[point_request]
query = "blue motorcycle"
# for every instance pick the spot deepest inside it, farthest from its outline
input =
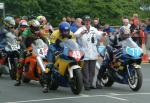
(124, 68)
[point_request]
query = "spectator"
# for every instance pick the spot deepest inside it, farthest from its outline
(63, 19)
(126, 23)
(135, 19)
(96, 24)
(108, 29)
(87, 39)
(76, 25)
(68, 19)
(147, 30)
(134, 28)
(25, 18)
(142, 34)
(72, 20)
(17, 20)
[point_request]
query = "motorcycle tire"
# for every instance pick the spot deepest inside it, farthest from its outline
(12, 72)
(136, 84)
(107, 81)
(76, 83)
(53, 83)
(25, 80)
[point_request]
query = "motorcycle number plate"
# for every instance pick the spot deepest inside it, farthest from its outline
(42, 51)
(15, 47)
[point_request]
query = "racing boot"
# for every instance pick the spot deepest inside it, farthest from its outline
(45, 82)
(45, 87)
(18, 79)
(19, 74)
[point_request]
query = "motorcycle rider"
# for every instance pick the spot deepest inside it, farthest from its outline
(62, 34)
(7, 33)
(7, 30)
(115, 41)
(29, 36)
(23, 25)
(46, 27)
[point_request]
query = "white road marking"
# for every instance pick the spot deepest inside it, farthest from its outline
(130, 94)
(50, 99)
(122, 99)
(110, 95)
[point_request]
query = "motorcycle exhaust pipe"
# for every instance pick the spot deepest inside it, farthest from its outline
(41, 64)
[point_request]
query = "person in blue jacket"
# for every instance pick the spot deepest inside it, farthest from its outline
(108, 29)
(76, 25)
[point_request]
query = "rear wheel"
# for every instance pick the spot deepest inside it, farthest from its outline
(26, 68)
(135, 81)
(25, 80)
(76, 83)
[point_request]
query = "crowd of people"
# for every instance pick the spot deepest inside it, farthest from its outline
(87, 32)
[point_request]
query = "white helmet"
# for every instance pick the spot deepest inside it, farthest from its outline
(35, 23)
(9, 21)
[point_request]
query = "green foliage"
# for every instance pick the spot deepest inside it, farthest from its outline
(109, 11)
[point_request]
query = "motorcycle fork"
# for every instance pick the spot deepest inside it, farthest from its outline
(41, 64)
(129, 72)
(9, 64)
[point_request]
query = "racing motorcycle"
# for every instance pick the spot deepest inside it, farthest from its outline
(67, 68)
(125, 67)
(9, 55)
(35, 62)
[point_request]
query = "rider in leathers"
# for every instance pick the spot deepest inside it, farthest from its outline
(115, 41)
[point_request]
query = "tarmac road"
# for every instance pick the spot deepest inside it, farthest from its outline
(32, 93)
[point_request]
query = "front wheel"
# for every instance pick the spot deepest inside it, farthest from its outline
(76, 83)
(12, 71)
(135, 81)
(53, 83)
(107, 81)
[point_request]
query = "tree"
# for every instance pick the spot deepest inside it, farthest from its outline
(109, 11)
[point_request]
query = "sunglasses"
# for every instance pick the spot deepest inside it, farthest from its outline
(23, 26)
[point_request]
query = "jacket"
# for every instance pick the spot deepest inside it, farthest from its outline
(56, 35)
(88, 42)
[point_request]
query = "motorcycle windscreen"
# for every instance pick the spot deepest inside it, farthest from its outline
(131, 48)
(134, 52)
(11, 42)
(68, 45)
(40, 48)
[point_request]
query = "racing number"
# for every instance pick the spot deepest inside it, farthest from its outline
(76, 54)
